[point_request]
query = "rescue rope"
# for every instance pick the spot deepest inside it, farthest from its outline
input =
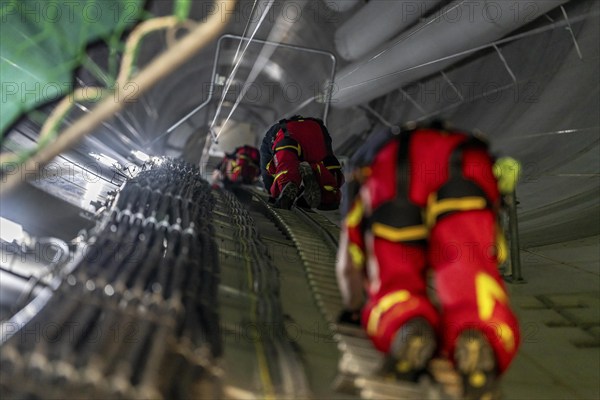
(278, 32)
(237, 60)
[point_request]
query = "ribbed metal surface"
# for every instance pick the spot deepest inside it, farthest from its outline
(272, 362)
(360, 364)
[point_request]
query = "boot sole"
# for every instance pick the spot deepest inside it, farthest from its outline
(411, 350)
(287, 197)
(312, 190)
(476, 362)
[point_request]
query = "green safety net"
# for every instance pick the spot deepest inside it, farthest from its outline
(42, 42)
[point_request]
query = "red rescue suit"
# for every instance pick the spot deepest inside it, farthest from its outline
(295, 140)
(428, 198)
(239, 167)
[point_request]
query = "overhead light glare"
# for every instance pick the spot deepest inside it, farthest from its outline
(11, 231)
(140, 155)
(104, 159)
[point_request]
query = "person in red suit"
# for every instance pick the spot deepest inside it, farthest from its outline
(239, 167)
(298, 165)
(427, 198)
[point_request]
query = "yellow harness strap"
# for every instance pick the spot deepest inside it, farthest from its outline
(436, 208)
(297, 149)
(405, 234)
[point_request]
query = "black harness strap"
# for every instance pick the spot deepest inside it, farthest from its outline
(458, 187)
(283, 126)
(400, 212)
(457, 184)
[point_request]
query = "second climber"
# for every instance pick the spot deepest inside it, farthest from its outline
(298, 165)
(238, 167)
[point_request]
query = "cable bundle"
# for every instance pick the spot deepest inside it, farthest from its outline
(136, 318)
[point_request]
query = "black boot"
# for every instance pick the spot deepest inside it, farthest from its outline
(312, 190)
(287, 196)
(476, 363)
(412, 347)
